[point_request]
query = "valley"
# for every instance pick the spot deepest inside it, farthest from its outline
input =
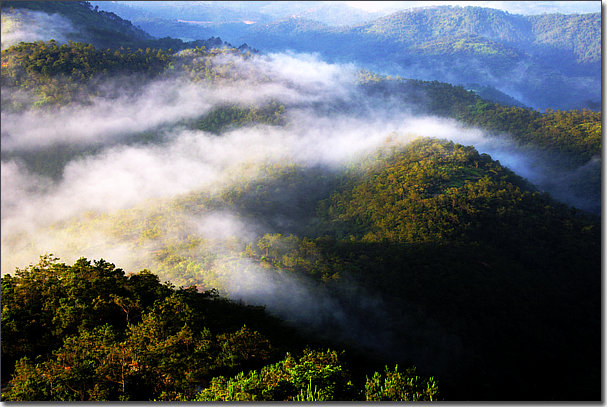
(190, 220)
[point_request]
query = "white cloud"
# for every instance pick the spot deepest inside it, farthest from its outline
(124, 176)
(29, 26)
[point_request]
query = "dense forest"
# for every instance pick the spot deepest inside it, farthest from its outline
(100, 28)
(89, 332)
(228, 225)
(575, 133)
(531, 58)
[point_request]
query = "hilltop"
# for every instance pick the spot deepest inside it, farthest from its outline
(272, 226)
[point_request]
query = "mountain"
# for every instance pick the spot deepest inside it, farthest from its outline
(543, 61)
(329, 13)
(575, 34)
(195, 20)
(427, 24)
(101, 28)
(204, 11)
(79, 21)
(260, 12)
(494, 95)
(288, 228)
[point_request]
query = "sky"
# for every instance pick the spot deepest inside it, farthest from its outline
(515, 7)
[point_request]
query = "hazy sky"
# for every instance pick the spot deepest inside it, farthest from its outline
(516, 7)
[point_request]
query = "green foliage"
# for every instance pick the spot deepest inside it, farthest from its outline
(243, 349)
(89, 366)
(289, 379)
(400, 386)
(29, 382)
(216, 65)
(169, 359)
(224, 118)
(101, 28)
(96, 334)
(309, 394)
(421, 25)
(58, 73)
(429, 191)
(160, 347)
(446, 235)
(431, 225)
(48, 301)
(322, 369)
(62, 74)
(576, 33)
(575, 134)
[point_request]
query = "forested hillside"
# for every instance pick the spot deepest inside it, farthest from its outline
(82, 23)
(566, 144)
(215, 224)
(575, 34)
(97, 334)
(101, 28)
(229, 17)
(530, 58)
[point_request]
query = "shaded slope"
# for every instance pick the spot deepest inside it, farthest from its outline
(547, 61)
(100, 28)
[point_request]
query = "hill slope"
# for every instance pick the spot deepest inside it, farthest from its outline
(79, 21)
(547, 62)
(363, 211)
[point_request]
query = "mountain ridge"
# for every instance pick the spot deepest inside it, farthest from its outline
(101, 28)
(544, 61)
(379, 221)
(525, 57)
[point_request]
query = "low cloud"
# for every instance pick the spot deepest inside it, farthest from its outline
(80, 213)
(30, 26)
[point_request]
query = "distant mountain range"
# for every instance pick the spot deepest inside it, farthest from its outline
(541, 61)
(82, 22)
(544, 61)
(258, 12)
(385, 224)
(548, 61)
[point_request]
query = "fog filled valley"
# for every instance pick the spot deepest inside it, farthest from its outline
(216, 223)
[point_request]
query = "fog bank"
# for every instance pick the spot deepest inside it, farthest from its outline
(31, 26)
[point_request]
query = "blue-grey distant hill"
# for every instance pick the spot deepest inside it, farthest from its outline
(101, 28)
(545, 61)
(542, 61)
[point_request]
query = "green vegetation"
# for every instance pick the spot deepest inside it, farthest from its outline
(424, 254)
(430, 23)
(59, 74)
(431, 226)
(98, 27)
(576, 134)
(89, 332)
(394, 382)
(434, 228)
(101, 28)
(549, 61)
(562, 140)
(577, 34)
(227, 117)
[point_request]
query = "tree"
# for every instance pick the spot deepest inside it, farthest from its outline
(400, 386)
